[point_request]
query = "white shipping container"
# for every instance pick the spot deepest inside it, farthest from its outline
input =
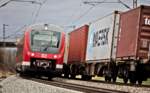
(102, 38)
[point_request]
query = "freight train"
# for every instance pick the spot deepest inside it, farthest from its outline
(117, 45)
(41, 50)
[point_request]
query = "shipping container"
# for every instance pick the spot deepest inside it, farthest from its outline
(66, 48)
(102, 39)
(77, 45)
(134, 34)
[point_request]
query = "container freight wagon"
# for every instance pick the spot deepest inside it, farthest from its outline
(133, 49)
(115, 45)
(91, 50)
(101, 47)
(76, 51)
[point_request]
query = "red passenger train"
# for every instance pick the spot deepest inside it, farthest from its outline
(41, 50)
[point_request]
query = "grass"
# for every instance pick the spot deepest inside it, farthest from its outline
(147, 82)
(103, 79)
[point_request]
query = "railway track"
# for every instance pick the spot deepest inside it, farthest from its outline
(113, 86)
(77, 87)
(118, 83)
(114, 83)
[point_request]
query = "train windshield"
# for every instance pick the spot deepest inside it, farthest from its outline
(45, 41)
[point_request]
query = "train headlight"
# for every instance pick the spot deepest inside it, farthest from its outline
(32, 54)
(55, 56)
(46, 26)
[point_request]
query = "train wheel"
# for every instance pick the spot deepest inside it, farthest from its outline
(49, 77)
(66, 75)
(73, 71)
(107, 79)
(89, 77)
(114, 79)
(66, 71)
(132, 78)
(73, 76)
(38, 76)
(83, 77)
(125, 80)
(139, 82)
(132, 81)
(21, 74)
(86, 77)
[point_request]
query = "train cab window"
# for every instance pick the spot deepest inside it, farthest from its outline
(45, 40)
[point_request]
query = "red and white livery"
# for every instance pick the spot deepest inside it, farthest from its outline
(41, 49)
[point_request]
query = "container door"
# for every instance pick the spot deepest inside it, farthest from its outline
(144, 37)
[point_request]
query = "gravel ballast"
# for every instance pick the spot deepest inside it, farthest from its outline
(16, 84)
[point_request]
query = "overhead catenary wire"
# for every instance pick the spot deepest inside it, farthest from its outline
(29, 1)
(94, 3)
(24, 1)
(82, 15)
(38, 11)
(73, 15)
(104, 1)
(32, 20)
(36, 15)
(5, 4)
(86, 12)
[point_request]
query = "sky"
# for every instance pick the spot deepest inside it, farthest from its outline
(65, 13)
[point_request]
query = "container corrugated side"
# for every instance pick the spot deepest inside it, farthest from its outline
(77, 45)
(102, 38)
(128, 33)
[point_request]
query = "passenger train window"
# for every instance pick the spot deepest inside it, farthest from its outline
(45, 40)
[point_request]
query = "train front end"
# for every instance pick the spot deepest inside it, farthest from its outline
(43, 50)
